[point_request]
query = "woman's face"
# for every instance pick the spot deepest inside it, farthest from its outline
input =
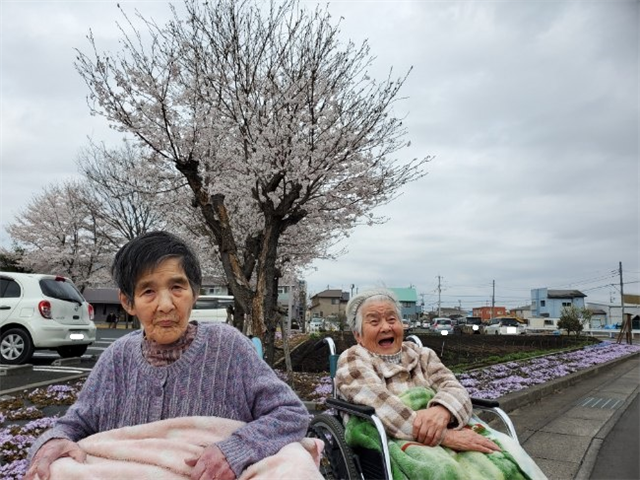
(162, 301)
(382, 330)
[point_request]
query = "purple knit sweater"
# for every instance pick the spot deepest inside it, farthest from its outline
(220, 374)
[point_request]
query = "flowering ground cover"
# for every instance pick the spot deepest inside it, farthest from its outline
(23, 417)
(498, 380)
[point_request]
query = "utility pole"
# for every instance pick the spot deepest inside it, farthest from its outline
(439, 290)
(493, 298)
(625, 328)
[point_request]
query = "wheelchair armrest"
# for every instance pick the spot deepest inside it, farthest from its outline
(481, 402)
(348, 407)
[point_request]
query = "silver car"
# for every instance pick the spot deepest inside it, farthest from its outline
(442, 324)
(42, 312)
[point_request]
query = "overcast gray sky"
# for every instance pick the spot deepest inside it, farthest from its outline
(530, 109)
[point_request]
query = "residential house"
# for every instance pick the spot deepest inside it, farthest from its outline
(549, 303)
(329, 303)
(408, 298)
(487, 313)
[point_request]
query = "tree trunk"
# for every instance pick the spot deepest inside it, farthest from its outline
(266, 294)
(285, 348)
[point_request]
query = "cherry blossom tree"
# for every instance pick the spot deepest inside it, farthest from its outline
(126, 193)
(275, 124)
(59, 235)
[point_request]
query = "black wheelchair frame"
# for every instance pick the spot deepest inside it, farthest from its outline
(340, 461)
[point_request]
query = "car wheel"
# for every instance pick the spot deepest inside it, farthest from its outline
(16, 347)
(69, 351)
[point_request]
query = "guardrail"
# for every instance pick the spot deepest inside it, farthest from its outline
(597, 332)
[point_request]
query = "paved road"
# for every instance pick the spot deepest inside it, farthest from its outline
(44, 371)
(619, 451)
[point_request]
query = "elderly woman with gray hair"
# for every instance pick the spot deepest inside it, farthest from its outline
(381, 367)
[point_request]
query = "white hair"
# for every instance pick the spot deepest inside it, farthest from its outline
(354, 307)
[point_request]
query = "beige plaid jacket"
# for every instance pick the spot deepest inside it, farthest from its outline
(368, 380)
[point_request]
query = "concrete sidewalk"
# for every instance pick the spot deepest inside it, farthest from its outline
(562, 424)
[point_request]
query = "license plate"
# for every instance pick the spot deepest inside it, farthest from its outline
(76, 336)
(511, 329)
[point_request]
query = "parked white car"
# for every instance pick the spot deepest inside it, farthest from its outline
(316, 324)
(211, 308)
(504, 326)
(42, 312)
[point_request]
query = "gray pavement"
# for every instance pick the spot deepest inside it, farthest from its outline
(619, 450)
(564, 429)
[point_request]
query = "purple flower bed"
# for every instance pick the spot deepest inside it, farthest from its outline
(498, 380)
(15, 442)
(16, 438)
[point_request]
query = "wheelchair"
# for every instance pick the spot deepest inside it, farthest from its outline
(340, 461)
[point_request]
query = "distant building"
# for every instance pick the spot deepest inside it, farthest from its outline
(104, 302)
(214, 286)
(612, 313)
(452, 311)
(521, 312)
(408, 298)
(549, 303)
(292, 295)
(329, 303)
(487, 313)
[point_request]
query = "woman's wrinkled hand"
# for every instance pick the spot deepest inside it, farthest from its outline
(49, 453)
(212, 465)
(467, 440)
(430, 424)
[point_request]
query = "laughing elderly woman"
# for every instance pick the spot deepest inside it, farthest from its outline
(176, 368)
(381, 367)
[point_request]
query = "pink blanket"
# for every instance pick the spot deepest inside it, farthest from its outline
(157, 451)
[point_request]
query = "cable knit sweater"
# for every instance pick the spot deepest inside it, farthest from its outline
(220, 374)
(378, 380)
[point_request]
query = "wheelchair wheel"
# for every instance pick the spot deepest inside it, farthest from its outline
(337, 459)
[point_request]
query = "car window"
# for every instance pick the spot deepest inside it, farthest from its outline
(9, 288)
(61, 289)
(13, 290)
(512, 322)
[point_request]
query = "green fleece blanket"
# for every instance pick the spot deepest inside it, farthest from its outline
(415, 461)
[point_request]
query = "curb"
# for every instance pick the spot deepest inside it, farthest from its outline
(12, 370)
(44, 383)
